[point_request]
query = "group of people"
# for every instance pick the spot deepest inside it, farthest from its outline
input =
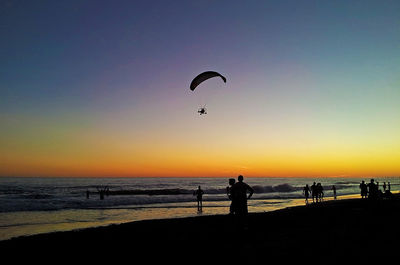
(101, 191)
(238, 193)
(317, 192)
(372, 191)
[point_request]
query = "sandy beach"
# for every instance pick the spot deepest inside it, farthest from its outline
(332, 231)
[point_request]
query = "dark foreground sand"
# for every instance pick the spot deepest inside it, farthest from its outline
(332, 232)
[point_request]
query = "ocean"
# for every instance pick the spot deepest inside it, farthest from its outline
(40, 205)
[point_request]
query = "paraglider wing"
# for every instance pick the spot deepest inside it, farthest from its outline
(204, 76)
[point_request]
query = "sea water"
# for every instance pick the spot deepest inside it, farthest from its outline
(40, 205)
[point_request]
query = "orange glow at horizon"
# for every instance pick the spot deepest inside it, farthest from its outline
(120, 144)
(197, 159)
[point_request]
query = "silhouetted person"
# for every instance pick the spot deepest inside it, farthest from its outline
(320, 192)
(306, 192)
(379, 193)
(388, 186)
(199, 195)
(384, 186)
(314, 191)
(334, 192)
(229, 193)
(239, 195)
(87, 194)
(101, 193)
(372, 190)
(364, 189)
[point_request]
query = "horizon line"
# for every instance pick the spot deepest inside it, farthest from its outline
(340, 176)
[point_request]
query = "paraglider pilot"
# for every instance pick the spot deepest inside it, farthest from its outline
(202, 111)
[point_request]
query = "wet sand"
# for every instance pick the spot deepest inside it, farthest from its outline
(352, 230)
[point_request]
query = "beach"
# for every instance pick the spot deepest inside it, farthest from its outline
(331, 231)
(31, 206)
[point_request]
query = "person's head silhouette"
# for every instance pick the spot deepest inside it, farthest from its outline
(240, 178)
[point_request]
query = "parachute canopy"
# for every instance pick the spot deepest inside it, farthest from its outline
(204, 76)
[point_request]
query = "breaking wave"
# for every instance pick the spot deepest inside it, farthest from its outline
(257, 189)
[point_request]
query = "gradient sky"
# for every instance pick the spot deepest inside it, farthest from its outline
(101, 88)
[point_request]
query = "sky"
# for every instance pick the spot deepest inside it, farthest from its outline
(101, 88)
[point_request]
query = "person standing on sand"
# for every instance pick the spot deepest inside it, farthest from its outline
(199, 194)
(229, 193)
(372, 190)
(306, 192)
(364, 190)
(320, 192)
(239, 195)
(334, 192)
(314, 191)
